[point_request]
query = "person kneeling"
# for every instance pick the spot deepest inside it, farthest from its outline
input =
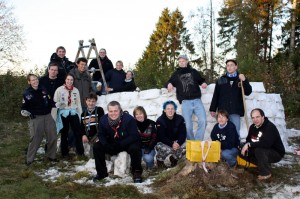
(117, 132)
(225, 132)
(171, 133)
(264, 144)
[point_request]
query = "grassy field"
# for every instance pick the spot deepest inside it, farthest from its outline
(19, 181)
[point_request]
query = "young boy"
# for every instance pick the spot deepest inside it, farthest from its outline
(90, 119)
(228, 94)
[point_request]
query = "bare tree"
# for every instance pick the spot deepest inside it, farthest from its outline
(11, 38)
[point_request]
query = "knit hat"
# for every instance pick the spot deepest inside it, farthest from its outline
(183, 57)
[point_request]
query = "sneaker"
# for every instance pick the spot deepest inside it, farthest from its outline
(137, 177)
(98, 178)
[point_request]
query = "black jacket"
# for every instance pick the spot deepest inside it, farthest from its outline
(187, 81)
(64, 65)
(228, 95)
(106, 66)
(228, 136)
(265, 136)
(51, 84)
(37, 102)
(177, 132)
(126, 86)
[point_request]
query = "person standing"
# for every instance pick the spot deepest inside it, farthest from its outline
(63, 63)
(118, 132)
(228, 94)
(82, 80)
(67, 100)
(187, 81)
(264, 145)
(51, 81)
(37, 105)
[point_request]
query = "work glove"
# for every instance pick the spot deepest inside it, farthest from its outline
(25, 113)
(60, 105)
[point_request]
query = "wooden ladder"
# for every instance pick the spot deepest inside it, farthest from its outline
(92, 47)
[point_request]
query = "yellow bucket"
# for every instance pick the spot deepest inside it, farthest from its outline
(194, 151)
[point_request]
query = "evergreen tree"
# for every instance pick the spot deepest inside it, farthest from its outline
(159, 58)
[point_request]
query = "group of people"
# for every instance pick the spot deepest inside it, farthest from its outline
(143, 139)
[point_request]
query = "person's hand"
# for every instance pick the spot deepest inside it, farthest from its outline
(242, 77)
(92, 70)
(213, 114)
(244, 149)
(175, 146)
(60, 105)
(107, 89)
(204, 85)
(25, 113)
(85, 139)
(170, 87)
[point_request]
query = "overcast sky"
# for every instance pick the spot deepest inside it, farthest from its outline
(122, 27)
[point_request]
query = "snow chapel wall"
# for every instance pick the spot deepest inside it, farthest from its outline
(153, 99)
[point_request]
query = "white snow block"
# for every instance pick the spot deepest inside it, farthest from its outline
(128, 96)
(258, 87)
(122, 164)
(206, 99)
(210, 88)
(113, 97)
(150, 94)
(109, 166)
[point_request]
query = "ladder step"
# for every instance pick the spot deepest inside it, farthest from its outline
(84, 46)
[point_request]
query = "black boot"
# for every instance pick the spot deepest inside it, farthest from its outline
(137, 177)
(173, 161)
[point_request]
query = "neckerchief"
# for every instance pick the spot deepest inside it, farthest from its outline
(70, 91)
(231, 75)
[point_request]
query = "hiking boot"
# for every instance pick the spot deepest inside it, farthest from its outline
(98, 178)
(173, 161)
(160, 164)
(28, 163)
(137, 177)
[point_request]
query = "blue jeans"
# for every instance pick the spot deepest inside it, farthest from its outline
(190, 107)
(229, 155)
(148, 158)
(236, 120)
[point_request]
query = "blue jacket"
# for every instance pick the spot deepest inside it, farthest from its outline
(127, 132)
(115, 78)
(228, 136)
(169, 131)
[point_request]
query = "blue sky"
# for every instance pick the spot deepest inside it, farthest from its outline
(122, 27)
